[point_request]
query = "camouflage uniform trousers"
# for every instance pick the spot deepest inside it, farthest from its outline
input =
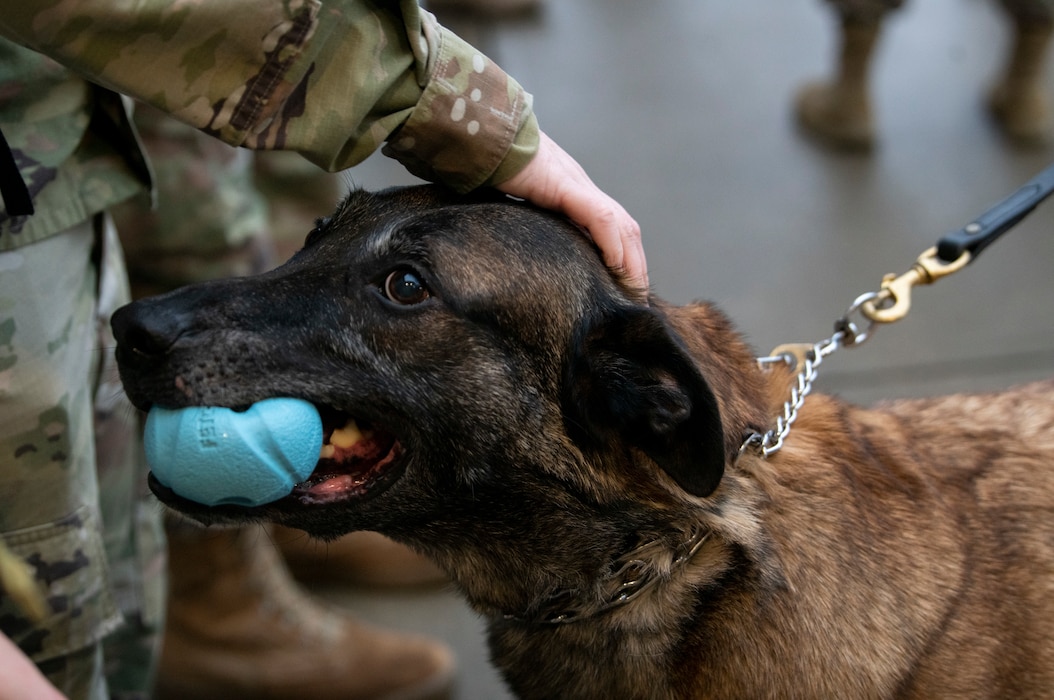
(73, 501)
(219, 211)
(867, 11)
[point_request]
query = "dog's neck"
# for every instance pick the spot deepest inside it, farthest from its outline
(631, 575)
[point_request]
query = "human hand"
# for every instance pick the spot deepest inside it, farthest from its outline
(20, 678)
(554, 180)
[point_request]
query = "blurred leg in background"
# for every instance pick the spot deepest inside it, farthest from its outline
(1020, 100)
(839, 111)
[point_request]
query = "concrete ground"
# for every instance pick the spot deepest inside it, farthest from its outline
(680, 109)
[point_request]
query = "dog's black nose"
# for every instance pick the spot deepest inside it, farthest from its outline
(144, 331)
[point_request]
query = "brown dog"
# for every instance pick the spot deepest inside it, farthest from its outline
(571, 457)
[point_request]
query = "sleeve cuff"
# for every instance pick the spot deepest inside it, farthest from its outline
(473, 125)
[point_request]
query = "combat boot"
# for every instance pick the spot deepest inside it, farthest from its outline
(1020, 101)
(239, 627)
(838, 112)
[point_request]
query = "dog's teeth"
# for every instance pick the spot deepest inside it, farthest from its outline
(327, 452)
(347, 436)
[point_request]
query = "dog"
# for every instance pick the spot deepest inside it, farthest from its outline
(571, 454)
(838, 111)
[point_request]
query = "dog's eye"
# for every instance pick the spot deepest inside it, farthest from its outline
(404, 287)
(320, 226)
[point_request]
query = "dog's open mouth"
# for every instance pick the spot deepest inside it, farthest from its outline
(356, 458)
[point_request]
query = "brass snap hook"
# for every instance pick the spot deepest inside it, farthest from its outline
(894, 301)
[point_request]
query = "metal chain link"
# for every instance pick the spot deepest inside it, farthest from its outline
(807, 359)
(773, 440)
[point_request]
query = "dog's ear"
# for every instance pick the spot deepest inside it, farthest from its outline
(629, 379)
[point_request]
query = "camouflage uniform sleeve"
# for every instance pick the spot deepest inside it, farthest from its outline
(470, 110)
(330, 79)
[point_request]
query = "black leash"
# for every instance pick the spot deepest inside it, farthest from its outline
(979, 233)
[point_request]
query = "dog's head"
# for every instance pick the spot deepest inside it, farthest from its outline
(511, 387)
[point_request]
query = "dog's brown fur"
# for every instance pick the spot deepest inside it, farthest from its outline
(554, 428)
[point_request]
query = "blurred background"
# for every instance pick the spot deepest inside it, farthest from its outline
(683, 111)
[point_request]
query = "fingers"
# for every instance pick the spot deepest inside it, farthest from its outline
(554, 180)
(20, 678)
(613, 230)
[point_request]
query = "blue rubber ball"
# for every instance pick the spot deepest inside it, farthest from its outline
(219, 456)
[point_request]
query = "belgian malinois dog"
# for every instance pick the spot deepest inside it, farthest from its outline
(570, 453)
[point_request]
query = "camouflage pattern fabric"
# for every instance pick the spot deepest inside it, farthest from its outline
(470, 110)
(133, 530)
(218, 211)
(72, 171)
(207, 218)
(297, 193)
(72, 502)
(330, 79)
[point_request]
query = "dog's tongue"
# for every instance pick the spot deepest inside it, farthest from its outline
(351, 456)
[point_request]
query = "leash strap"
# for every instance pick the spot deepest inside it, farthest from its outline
(979, 233)
(892, 302)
